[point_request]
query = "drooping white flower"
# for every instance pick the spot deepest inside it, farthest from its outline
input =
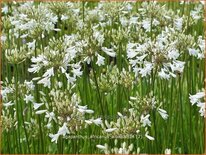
(8, 104)
(37, 105)
(195, 98)
(131, 53)
(100, 60)
(148, 136)
(163, 74)
(70, 79)
(198, 100)
(163, 113)
(45, 81)
(97, 121)
(177, 66)
(193, 52)
(109, 52)
(49, 72)
(62, 131)
(145, 120)
(54, 137)
(201, 105)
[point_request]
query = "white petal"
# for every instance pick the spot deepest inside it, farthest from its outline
(101, 147)
(149, 137)
(111, 129)
(40, 112)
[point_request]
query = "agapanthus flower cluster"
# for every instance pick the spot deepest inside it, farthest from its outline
(140, 112)
(199, 100)
(33, 21)
(65, 109)
(58, 58)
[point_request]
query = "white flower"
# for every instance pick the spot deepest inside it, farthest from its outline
(146, 24)
(31, 45)
(146, 70)
(109, 52)
(5, 9)
(64, 17)
(163, 113)
(201, 105)
(195, 98)
(110, 130)
(173, 54)
(89, 111)
(8, 104)
(45, 81)
(195, 14)
(48, 126)
(49, 72)
(99, 37)
(50, 115)
(148, 136)
(178, 23)
(177, 66)
(97, 121)
(77, 72)
(100, 60)
(82, 107)
(62, 131)
(131, 51)
(37, 105)
(162, 74)
(193, 52)
(167, 151)
(70, 79)
(54, 137)
(29, 85)
(29, 98)
(145, 120)
(34, 69)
